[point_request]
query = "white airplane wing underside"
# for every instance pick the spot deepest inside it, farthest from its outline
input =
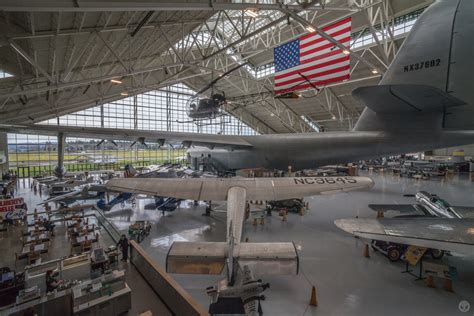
(437, 233)
(216, 189)
(187, 139)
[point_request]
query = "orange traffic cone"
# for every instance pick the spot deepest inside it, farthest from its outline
(314, 300)
(366, 251)
(380, 214)
(448, 285)
(430, 281)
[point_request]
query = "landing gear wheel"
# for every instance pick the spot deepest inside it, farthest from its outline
(393, 254)
(436, 253)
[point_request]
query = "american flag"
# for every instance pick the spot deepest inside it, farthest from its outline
(314, 57)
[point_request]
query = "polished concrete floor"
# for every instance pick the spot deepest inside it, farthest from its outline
(346, 282)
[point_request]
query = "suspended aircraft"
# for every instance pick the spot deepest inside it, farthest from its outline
(201, 107)
(91, 191)
(424, 101)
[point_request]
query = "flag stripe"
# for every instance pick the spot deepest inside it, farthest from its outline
(297, 84)
(301, 79)
(315, 36)
(327, 27)
(327, 55)
(324, 46)
(322, 56)
(316, 65)
(316, 83)
(314, 75)
(320, 39)
(317, 59)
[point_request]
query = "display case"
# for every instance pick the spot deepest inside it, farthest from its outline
(107, 295)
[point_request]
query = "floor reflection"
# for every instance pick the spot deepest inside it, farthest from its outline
(165, 242)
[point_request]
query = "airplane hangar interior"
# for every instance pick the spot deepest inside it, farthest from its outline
(236, 157)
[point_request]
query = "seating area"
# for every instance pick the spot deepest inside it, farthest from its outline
(68, 242)
(44, 227)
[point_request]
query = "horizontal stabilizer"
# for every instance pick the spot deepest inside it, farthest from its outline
(216, 189)
(210, 257)
(437, 233)
(196, 257)
(405, 98)
(269, 258)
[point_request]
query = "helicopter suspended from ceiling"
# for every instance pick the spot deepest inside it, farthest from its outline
(201, 107)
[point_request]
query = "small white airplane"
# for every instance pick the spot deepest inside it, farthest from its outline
(448, 234)
(239, 292)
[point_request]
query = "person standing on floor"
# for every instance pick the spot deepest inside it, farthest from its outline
(123, 242)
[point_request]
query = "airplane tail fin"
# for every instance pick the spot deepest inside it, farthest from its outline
(130, 171)
(427, 86)
(210, 257)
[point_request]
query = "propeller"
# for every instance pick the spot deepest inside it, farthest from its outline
(103, 140)
(260, 310)
(140, 140)
(210, 84)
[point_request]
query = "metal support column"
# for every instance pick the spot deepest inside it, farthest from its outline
(60, 170)
(3, 153)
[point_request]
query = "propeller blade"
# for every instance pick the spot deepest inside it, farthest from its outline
(100, 143)
(210, 84)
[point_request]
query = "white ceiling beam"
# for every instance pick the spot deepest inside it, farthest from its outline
(31, 60)
(111, 5)
(112, 50)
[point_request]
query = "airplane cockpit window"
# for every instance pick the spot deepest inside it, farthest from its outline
(442, 203)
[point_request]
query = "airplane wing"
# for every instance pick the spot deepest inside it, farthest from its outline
(437, 233)
(79, 193)
(62, 197)
(402, 208)
(215, 189)
(188, 139)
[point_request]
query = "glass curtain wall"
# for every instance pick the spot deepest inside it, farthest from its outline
(160, 110)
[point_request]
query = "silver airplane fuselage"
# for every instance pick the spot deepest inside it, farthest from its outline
(435, 206)
(303, 151)
(424, 101)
